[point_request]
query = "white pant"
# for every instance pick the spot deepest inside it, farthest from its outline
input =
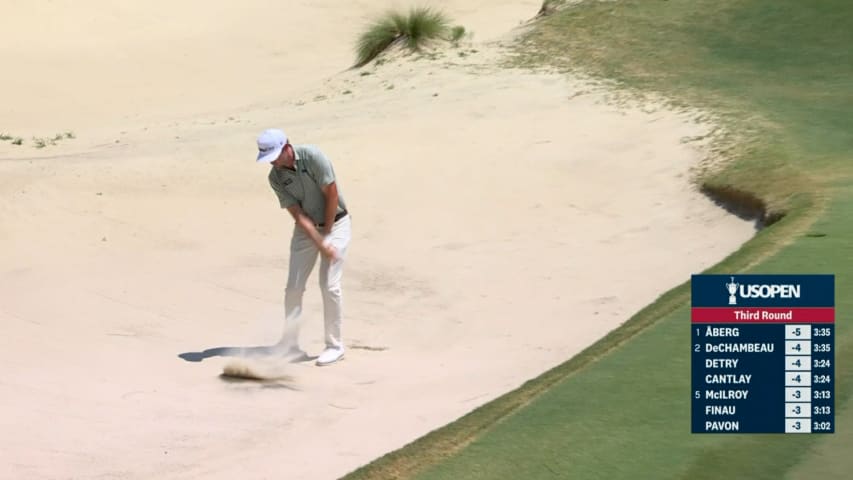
(303, 256)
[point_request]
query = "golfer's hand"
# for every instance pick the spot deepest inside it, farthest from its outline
(328, 250)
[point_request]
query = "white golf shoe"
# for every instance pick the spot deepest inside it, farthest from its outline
(330, 355)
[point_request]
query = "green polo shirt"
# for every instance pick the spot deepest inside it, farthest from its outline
(301, 186)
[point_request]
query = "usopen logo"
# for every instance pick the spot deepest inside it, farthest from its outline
(741, 290)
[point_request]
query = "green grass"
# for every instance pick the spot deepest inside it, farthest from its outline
(779, 76)
(414, 30)
(42, 142)
(456, 33)
(822, 461)
(724, 60)
(550, 6)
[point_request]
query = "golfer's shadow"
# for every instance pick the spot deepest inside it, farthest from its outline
(240, 352)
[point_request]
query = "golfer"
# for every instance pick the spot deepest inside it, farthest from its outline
(304, 181)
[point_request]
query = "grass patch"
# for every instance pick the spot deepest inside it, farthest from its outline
(5, 137)
(778, 75)
(456, 33)
(413, 31)
(550, 7)
(42, 142)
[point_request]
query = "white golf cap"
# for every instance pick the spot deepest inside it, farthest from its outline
(270, 144)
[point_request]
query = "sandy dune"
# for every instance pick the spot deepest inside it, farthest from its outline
(502, 221)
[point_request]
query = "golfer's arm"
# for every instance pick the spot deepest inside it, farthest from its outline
(305, 224)
(330, 191)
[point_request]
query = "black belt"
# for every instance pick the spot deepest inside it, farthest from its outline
(339, 216)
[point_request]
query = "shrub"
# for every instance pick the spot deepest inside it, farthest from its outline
(413, 30)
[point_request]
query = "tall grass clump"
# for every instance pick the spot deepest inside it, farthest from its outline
(549, 7)
(456, 33)
(421, 25)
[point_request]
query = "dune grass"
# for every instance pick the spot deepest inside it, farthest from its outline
(456, 34)
(39, 142)
(779, 75)
(413, 31)
(550, 6)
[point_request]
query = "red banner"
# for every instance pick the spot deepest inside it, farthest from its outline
(762, 315)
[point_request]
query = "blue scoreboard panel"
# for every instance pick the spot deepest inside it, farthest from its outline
(763, 353)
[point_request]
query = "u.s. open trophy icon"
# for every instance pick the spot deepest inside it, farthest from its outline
(732, 288)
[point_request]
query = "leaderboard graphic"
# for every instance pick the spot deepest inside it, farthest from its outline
(763, 353)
